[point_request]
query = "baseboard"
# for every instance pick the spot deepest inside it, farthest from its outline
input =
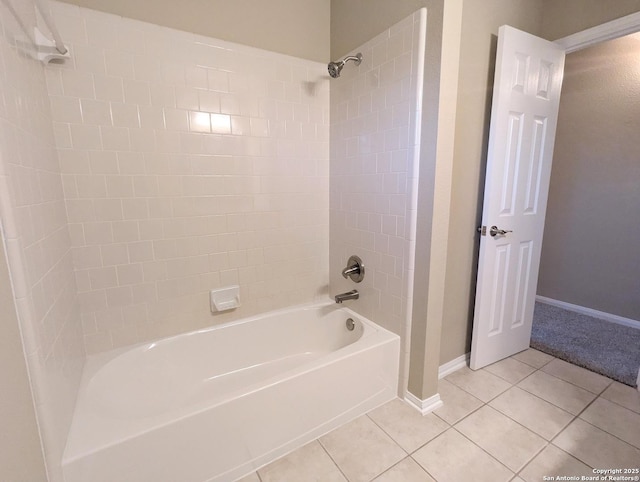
(423, 406)
(601, 315)
(454, 365)
(431, 403)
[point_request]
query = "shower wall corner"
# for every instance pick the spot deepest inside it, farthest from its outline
(376, 112)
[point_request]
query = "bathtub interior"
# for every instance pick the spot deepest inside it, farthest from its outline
(182, 371)
(127, 395)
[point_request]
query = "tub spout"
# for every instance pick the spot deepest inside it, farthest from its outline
(349, 295)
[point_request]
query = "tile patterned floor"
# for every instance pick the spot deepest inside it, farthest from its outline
(520, 419)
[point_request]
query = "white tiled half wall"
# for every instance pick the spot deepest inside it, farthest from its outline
(375, 136)
(188, 164)
(34, 227)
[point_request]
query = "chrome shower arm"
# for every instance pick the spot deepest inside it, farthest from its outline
(357, 59)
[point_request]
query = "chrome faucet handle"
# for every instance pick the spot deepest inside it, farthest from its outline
(349, 271)
(354, 269)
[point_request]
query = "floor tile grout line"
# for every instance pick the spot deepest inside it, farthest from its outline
(398, 463)
(389, 468)
(516, 384)
(523, 426)
(439, 417)
(609, 433)
(452, 427)
(513, 384)
(537, 368)
(546, 442)
(543, 399)
(569, 382)
(475, 409)
(387, 433)
(424, 468)
(551, 403)
(558, 378)
(485, 451)
(558, 448)
(576, 385)
(332, 460)
(616, 403)
(573, 420)
(492, 398)
(539, 398)
(510, 358)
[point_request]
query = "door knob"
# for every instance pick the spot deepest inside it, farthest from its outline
(494, 231)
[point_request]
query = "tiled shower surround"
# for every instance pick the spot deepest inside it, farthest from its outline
(155, 165)
(375, 137)
(34, 227)
(188, 164)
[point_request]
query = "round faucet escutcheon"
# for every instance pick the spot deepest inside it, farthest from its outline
(354, 269)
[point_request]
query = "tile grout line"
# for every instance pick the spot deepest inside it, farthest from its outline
(387, 433)
(420, 465)
(613, 401)
(547, 442)
(332, 460)
(575, 385)
(531, 393)
(516, 384)
(440, 418)
(408, 453)
(485, 451)
(600, 428)
(452, 426)
(575, 417)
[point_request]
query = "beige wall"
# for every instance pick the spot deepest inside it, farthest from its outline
(20, 450)
(590, 254)
(293, 27)
(480, 23)
(354, 22)
(562, 18)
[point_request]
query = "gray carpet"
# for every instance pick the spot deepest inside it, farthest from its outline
(607, 348)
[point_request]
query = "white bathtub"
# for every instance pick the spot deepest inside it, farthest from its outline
(216, 404)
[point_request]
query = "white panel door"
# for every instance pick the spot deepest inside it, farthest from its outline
(524, 113)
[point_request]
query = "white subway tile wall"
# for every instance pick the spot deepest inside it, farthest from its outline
(375, 137)
(34, 226)
(188, 164)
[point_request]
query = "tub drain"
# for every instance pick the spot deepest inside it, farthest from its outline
(350, 324)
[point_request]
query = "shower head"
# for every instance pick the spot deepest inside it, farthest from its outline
(335, 68)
